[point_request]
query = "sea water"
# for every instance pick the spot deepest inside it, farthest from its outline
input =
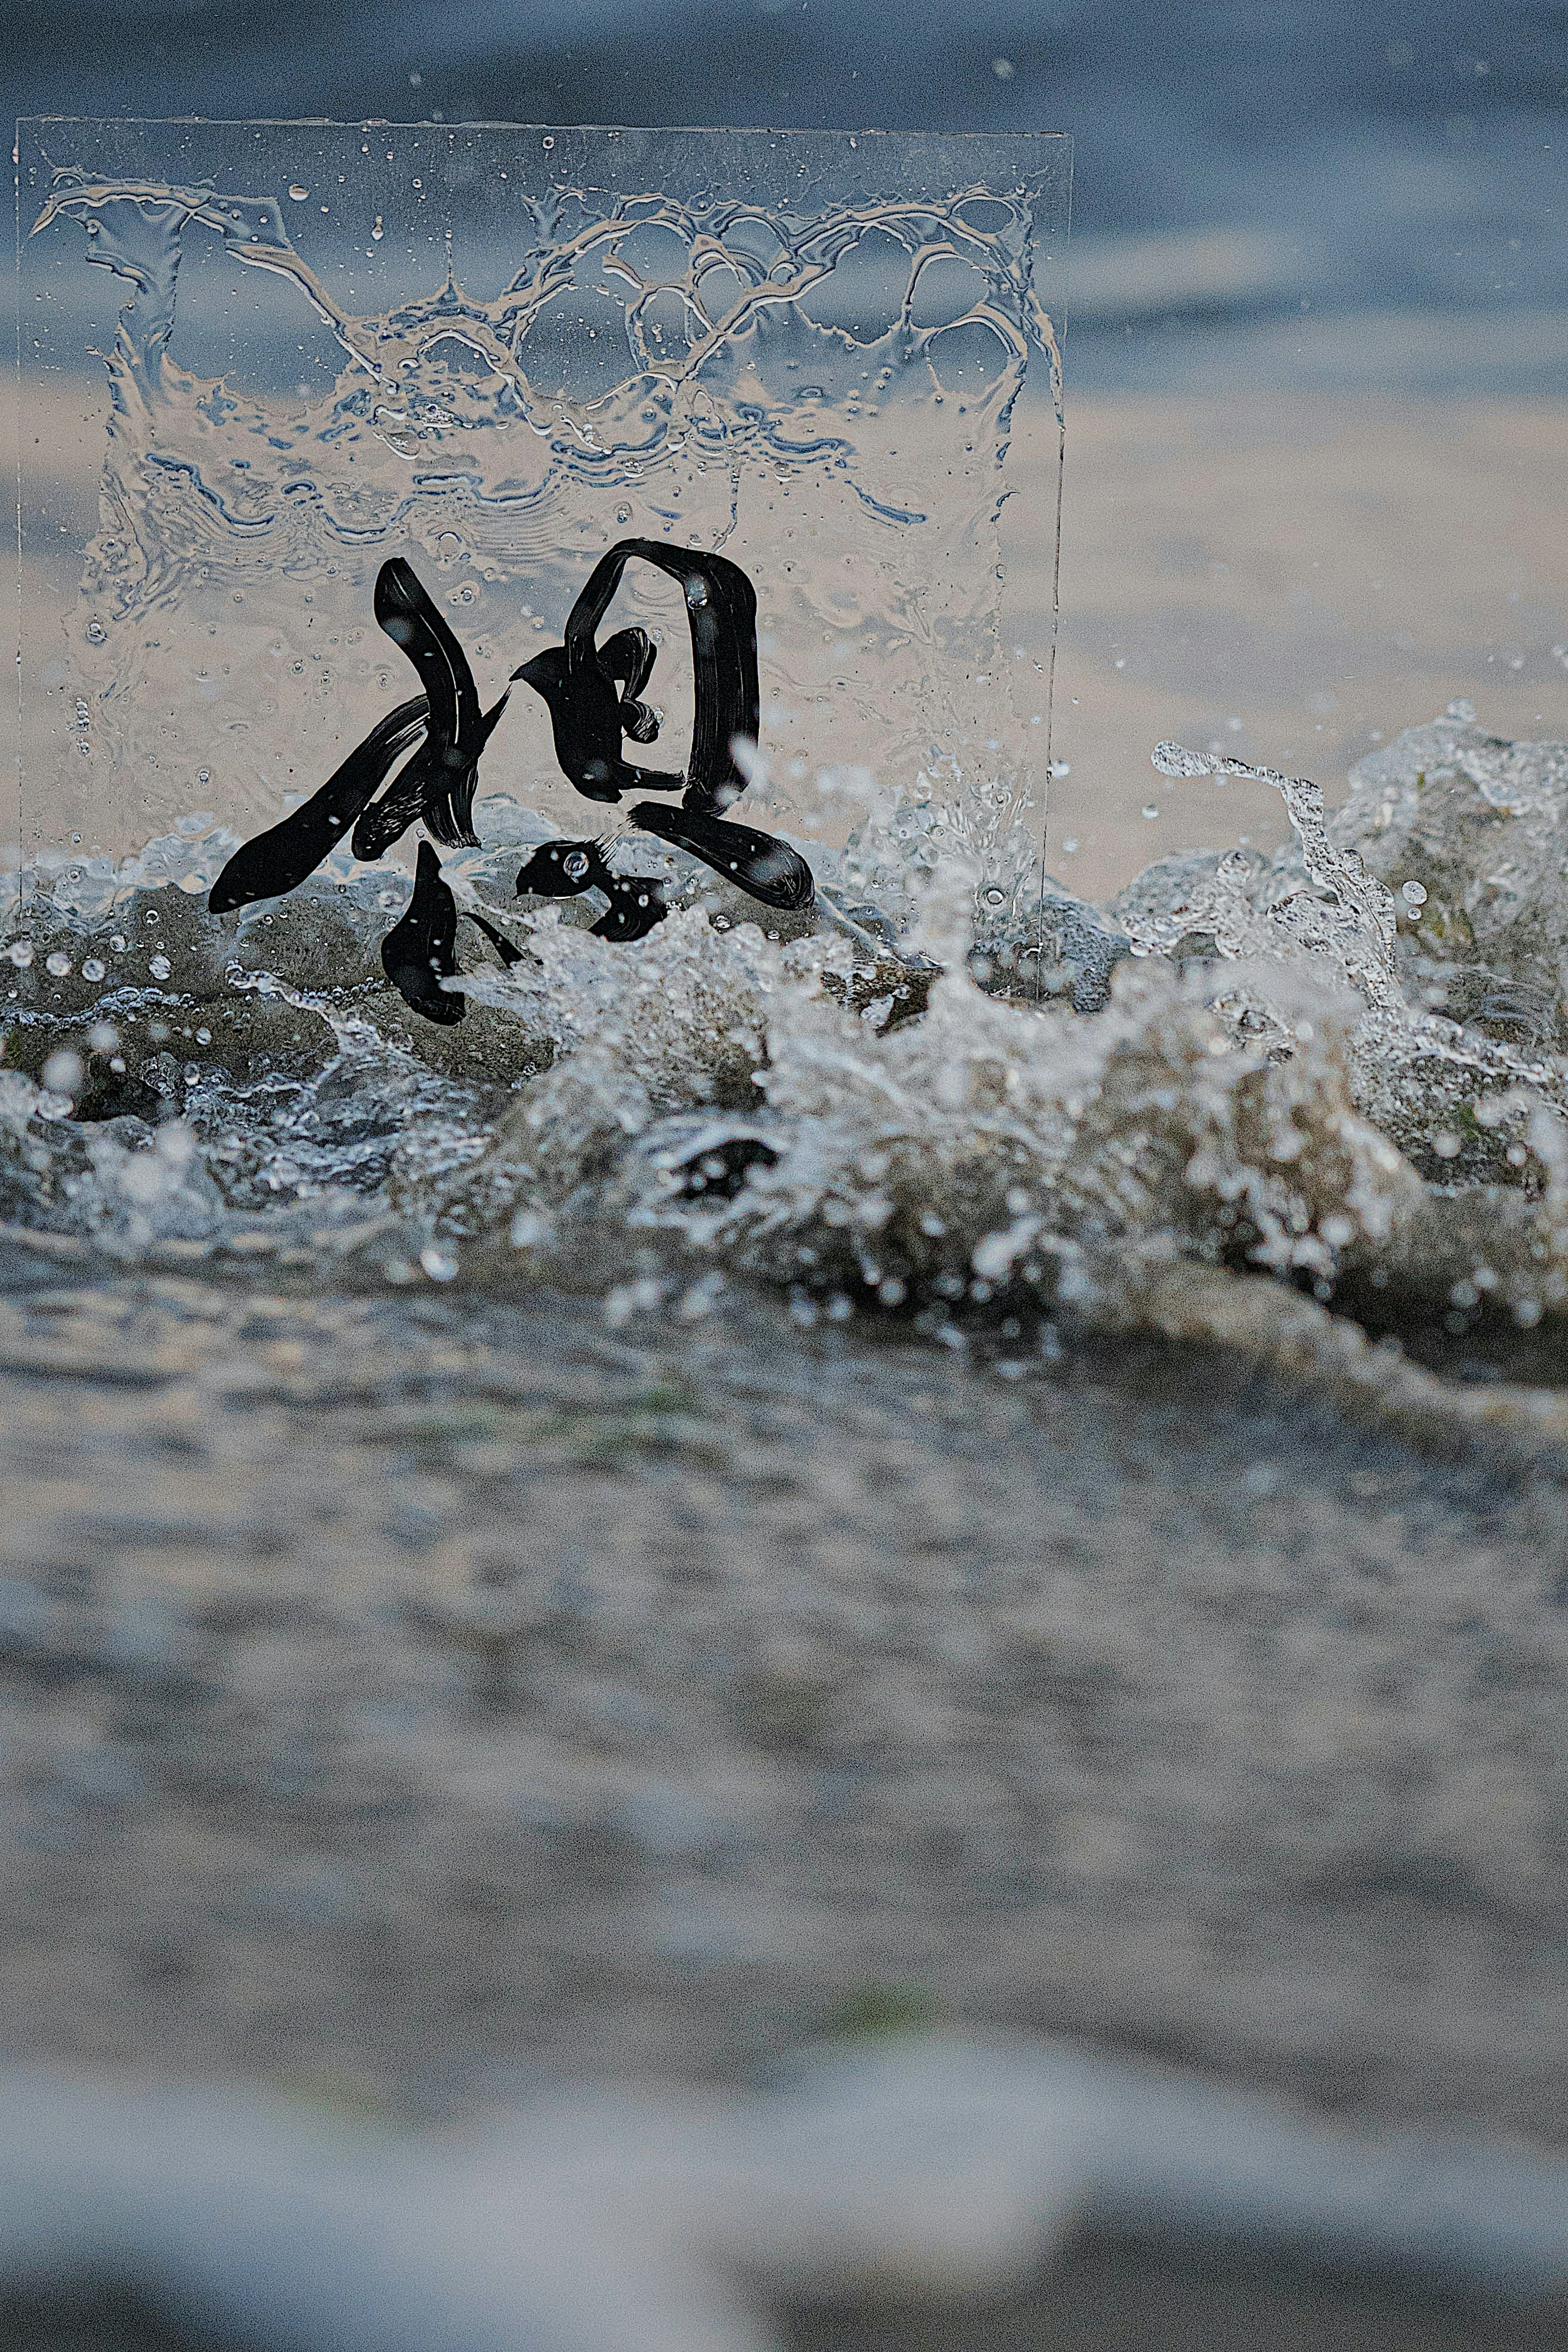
(1340, 1066)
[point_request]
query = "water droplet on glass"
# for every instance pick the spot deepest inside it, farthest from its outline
(117, 944)
(547, 143)
(1151, 808)
(62, 1072)
(158, 966)
(378, 231)
(95, 633)
(103, 1036)
(204, 775)
(439, 1264)
(1413, 894)
(623, 512)
(298, 193)
(20, 953)
(93, 968)
(58, 965)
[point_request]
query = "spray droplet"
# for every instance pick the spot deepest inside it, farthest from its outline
(62, 1072)
(298, 193)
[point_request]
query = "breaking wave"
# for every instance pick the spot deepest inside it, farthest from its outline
(1298, 1103)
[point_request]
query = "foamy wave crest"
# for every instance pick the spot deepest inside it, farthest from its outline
(1268, 1086)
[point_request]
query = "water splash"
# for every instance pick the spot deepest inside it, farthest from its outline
(1258, 1092)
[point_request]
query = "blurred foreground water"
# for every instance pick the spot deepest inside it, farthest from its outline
(446, 1713)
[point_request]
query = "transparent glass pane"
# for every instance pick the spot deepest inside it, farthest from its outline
(257, 360)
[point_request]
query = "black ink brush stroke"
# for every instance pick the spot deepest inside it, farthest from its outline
(629, 656)
(504, 947)
(421, 950)
(755, 862)
(283, 857)
(563, 869)
(437, 785)
(592, 705)
(580, 681)
(722, 617)
(636, 906)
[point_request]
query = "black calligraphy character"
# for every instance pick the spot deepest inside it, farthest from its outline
(436, 785)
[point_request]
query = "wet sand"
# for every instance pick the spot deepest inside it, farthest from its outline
(407, 1694)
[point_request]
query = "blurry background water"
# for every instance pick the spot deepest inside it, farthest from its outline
(1318, 335)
